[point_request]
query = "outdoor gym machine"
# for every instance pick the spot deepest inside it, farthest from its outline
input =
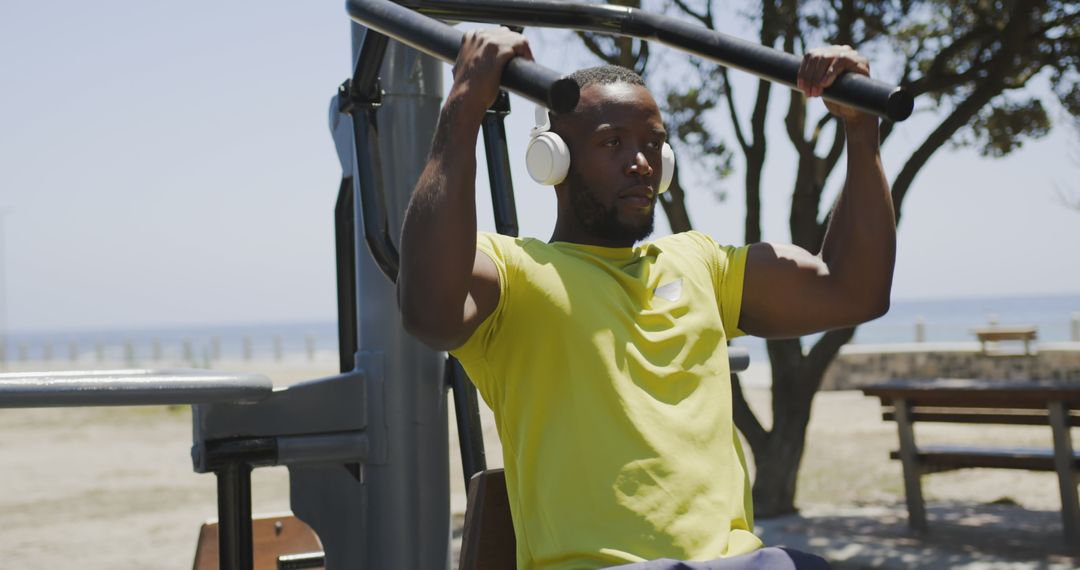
(367, 449)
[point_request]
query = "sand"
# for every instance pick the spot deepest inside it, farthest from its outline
(114, 488)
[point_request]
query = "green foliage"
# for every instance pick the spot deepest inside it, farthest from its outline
(688, 112)
(1000, 128)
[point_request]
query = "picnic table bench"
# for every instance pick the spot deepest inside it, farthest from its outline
(972, 401)
(995, 334)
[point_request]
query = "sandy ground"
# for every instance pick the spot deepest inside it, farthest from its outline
(113, 488)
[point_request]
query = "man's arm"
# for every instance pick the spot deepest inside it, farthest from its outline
(446, 288)
(789, 292)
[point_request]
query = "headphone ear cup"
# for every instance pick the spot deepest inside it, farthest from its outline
(667, 167)
(547, 159)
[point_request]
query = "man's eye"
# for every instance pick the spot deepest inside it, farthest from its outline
(611, 142)
(656, 145)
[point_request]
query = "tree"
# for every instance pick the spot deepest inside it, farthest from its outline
(970, 62)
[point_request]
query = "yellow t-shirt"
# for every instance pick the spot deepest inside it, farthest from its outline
(607, 371)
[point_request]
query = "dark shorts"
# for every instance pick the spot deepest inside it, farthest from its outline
(771, 558)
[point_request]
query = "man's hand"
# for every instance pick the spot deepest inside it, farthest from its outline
(820, 68)
(480, 62)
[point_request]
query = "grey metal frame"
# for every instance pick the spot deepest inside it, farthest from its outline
(366, 449)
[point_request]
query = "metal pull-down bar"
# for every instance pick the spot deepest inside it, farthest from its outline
(859, 91)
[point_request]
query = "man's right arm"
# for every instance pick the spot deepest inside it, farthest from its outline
(445, 287)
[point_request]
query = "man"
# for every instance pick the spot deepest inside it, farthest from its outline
(606, 363)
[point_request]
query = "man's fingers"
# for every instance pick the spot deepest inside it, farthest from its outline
(524, 49)
(800, 81)
(815, 72)
(822, 66)
(836, 67)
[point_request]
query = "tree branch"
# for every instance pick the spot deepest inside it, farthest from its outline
(822, 122)
(979, 34)
(956, 120)
(983, 93)
(795, 122)
(730, 97)
(745, 419)
(820, 356)
(837, 149)
(705, 18)
(591, 44)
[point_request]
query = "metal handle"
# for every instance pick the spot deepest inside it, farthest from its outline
(526, 78)
(129, 388)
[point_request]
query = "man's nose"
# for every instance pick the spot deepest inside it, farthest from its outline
(640, 165)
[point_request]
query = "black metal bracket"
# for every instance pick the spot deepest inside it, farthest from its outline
(350, 100)
(501, 106)
(231, 460)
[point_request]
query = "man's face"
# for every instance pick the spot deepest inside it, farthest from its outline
(615, 136)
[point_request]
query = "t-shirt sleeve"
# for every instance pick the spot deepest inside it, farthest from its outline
(729, 269)
(476, 347)
(729, 286)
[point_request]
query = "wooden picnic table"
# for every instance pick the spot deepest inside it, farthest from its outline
(1055, 404)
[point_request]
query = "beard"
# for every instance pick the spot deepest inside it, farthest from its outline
(602, 221)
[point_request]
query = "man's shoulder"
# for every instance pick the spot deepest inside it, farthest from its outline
(499, 243)
(691, 239)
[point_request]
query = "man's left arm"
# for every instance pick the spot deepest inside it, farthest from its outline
(787, 291)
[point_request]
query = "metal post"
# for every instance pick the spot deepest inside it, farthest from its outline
(3, 296)
(467, 412)
(1076, 327)
(234, 517)
(920, 329)
(498, 164)
(408, 494)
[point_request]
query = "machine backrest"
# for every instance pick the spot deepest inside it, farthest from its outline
(488, 542)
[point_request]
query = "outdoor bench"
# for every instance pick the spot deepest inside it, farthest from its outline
(969, 401)
(992, 335)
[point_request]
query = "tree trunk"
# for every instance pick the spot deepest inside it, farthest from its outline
(777, 454)
(674, 204)
(777, 467)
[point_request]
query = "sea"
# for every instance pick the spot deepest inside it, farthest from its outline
(1057, 318)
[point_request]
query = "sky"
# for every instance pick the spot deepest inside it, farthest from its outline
(167, 164)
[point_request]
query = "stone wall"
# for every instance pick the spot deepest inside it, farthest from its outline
(858, 365)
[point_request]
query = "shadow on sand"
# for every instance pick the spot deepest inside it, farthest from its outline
(986, 536)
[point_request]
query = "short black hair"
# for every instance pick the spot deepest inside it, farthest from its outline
(601, 75)
(605, 75)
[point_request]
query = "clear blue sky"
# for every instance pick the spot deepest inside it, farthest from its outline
(171, 164)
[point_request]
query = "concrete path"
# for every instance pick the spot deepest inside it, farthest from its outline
(962, 536)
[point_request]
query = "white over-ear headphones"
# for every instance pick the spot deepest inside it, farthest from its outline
(548, 159)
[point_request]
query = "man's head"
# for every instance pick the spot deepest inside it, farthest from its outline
(614, 135)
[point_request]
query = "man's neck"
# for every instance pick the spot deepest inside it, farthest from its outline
(577, 235)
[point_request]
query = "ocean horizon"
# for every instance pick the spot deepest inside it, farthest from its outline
(943, 320)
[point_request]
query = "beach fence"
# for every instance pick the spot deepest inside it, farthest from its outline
(200, 351)
(318, 345)
(925, 329)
